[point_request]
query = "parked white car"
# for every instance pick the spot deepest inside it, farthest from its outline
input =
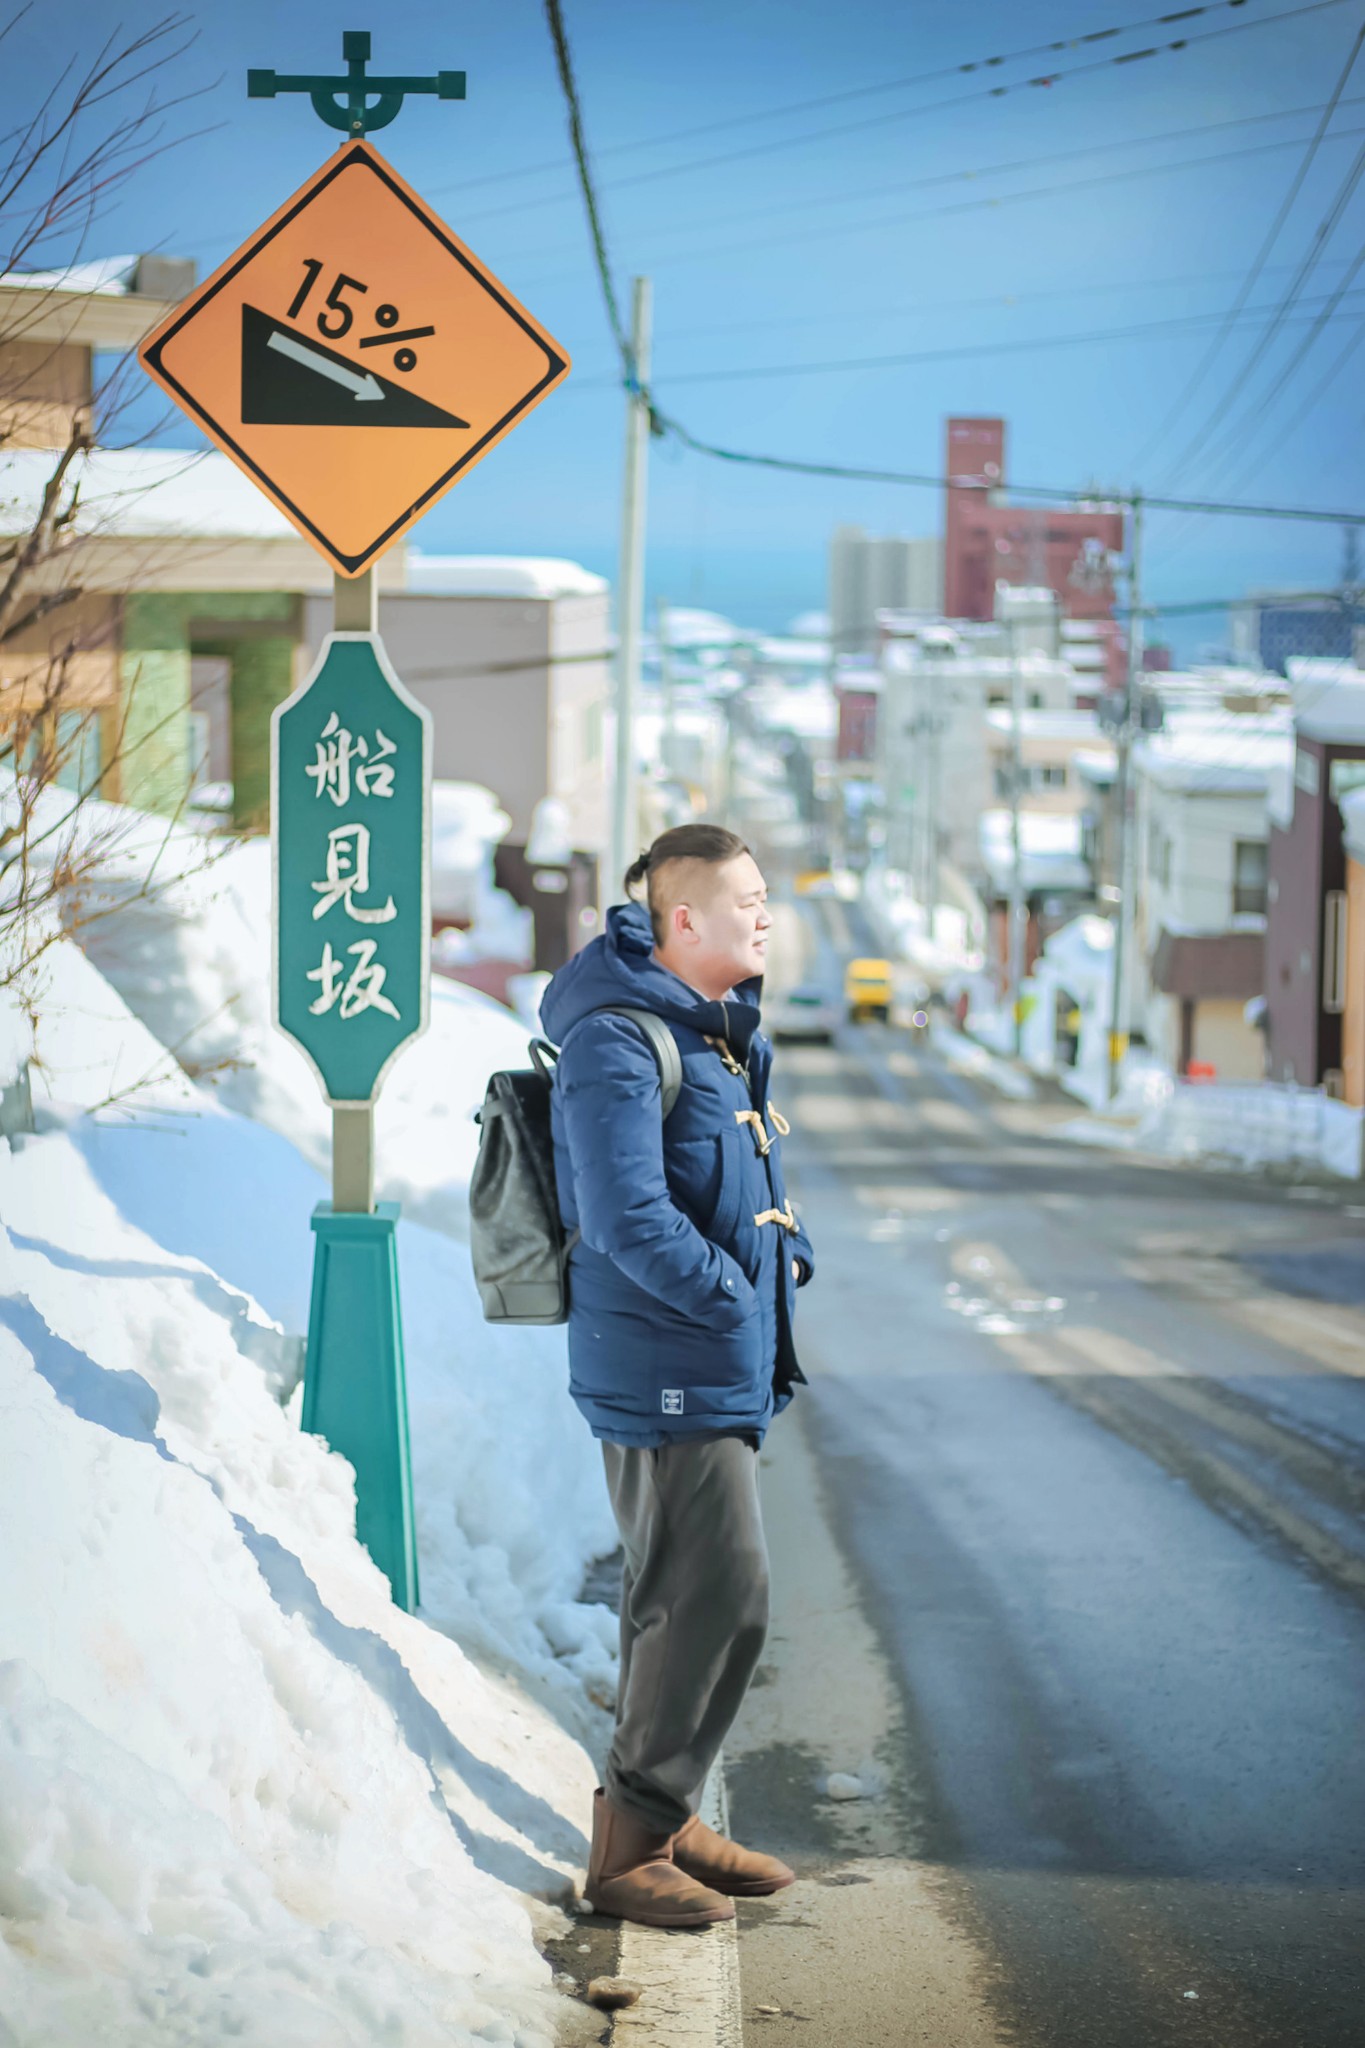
(806, 1011)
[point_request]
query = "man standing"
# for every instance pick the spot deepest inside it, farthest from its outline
(682, 1290)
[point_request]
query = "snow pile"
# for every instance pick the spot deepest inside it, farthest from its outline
(179, 925)
(241, 1795)
(467, 822)
(239, 1792)
(902, 925)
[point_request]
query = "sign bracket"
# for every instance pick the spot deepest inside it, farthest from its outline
(357, 117)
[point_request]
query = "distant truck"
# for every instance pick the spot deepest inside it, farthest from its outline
(868, 990)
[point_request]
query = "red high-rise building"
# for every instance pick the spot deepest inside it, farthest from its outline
(986, 542)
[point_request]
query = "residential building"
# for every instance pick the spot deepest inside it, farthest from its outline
(1353, 1013)
(869, 573)
(201, 608)
(1202, 788)
(512, 658)
(1307, 943)
(1270, 628)
(940, 677)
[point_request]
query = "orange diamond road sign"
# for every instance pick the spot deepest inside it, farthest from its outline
(354, 358)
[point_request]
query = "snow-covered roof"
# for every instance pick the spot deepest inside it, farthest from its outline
(1243, 751)
(535, 576)
(1329, 698)
(794, 653)
(1045, 725)
(110, 275)
(1049, 846)
(1353, 823)
(133, 492)
(1083, 948)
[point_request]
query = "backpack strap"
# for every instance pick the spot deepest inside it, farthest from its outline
(664, 1046)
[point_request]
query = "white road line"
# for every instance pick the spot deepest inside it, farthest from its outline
(689, 1981)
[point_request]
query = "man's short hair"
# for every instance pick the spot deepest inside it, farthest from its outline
(712, 845)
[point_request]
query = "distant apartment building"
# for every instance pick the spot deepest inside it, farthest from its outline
(870, 573)
(1270, 628)
(939, 680)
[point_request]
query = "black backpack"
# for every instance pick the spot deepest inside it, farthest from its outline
(516, 1239)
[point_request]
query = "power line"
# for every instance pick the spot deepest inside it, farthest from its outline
(580, 150)
(991, 301)
(807, 106)
(1144, 330)
(1319, 389)
(661, 423)
(987, 203)
(1045, 81)
(973, 175)
(1093, 498)
(1236, 440)
(1253, 275)
(1326, 228)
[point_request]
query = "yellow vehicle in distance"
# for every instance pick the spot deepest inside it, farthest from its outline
(814, 882)
(868, 990)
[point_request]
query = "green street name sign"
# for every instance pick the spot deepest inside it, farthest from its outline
(350, 840)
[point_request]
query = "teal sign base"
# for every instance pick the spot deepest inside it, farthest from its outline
(354, 1387)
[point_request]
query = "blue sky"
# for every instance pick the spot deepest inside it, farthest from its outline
(1139, 196)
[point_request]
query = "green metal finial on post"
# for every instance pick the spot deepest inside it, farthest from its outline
(357, 117)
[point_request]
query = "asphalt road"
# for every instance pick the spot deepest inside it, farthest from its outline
(1069, 1573)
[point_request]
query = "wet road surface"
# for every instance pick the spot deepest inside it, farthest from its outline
(1084, 1446)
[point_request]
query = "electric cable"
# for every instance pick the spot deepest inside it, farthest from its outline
(1045, 81)
(660, 423)
(842, 365)
(879, 86)
(988, 202)
(1258, 263)
(1326, 228)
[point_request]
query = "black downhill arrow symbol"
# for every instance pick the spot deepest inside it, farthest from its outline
(290, 380)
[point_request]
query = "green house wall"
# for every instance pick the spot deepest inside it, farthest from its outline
(162, 631)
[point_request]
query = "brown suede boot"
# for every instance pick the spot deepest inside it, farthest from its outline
(632, 1875)
(724, 1866)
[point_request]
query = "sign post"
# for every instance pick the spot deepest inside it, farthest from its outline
(355, 359)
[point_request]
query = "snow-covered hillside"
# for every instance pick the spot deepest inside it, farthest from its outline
(241, 1795)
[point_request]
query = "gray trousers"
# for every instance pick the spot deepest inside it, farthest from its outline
(694, 1615)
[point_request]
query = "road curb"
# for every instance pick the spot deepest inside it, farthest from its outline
(689, 1981)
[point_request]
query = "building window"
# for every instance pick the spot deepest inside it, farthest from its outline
(1052, 775)
(1334, 952)
(1249, 877)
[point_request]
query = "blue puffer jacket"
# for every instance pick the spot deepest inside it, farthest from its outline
(680, 1299)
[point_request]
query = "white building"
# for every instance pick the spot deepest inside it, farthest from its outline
(941, 678)
(1201, 792)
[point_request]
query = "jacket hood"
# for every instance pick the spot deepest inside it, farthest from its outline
(619, 967)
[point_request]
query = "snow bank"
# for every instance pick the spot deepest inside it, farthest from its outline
(241, 1795)
(239, 1792)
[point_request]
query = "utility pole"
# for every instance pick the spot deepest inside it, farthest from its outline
(665, 686)
(1018, 911)
(630, 592)
(1127, 863)
(933, 733)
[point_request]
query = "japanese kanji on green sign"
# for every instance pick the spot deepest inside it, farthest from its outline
(350, 831)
